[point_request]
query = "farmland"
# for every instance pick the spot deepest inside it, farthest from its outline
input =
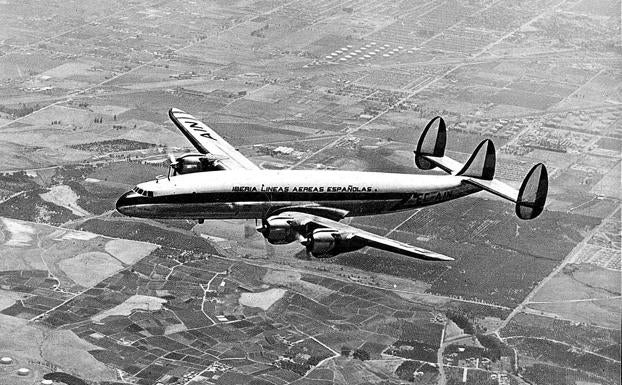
(470, 239)
(89, 296)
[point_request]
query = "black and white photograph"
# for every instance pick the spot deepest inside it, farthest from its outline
(291, 192)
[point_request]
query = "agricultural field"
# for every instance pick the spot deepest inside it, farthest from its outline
(88, 296)
(587, 337)
(599, 312)
(382, 320)
(580, 282)
(52, 265)
(476, 243)
(549, 352)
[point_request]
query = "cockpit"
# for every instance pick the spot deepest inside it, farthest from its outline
(142, 192)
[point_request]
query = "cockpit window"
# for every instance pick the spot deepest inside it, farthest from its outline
(142, 192)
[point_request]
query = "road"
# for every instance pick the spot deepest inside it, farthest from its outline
(193, 42)
(569, 259)
(206, 290)
(570, 347)
(442, 378)
(424, 86)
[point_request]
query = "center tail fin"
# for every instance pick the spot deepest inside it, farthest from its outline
(482, 162)
(479, 170)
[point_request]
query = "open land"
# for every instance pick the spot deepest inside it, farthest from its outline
(91, 297)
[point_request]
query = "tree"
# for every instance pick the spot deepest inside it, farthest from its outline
(361, 354)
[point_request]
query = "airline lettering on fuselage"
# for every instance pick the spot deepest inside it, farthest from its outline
(195, 125)
(303, 189)
(434, 196)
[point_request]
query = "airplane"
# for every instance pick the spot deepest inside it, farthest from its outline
(218, 182)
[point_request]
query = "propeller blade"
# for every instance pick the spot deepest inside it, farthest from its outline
(171, 158)
(303, 240)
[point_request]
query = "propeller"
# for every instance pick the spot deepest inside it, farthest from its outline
(263, 228)
(171, 158)
(173, 165)
(305, 241)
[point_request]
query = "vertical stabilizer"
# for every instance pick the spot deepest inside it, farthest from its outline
(482, 162)
(479, 170)
(532, 193)
(431, 143)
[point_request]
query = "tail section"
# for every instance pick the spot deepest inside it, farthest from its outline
(431, 143)
(479, 170)
(482, 162)
(430, 150)
(532, 193)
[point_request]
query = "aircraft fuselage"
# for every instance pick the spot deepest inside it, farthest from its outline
(247, 194)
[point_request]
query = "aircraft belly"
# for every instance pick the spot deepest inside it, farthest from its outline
(189, 211)
(250, 210)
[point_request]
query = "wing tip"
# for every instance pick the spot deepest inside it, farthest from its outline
(174, 110)
(432, 256)
(435, 257)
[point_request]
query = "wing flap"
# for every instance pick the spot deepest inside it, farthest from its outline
(388, 244)
(369, 239)
(207, 141)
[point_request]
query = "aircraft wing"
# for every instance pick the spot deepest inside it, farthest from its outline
(367, 238)
(207, 141)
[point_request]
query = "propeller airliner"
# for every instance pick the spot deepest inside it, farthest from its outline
(218, 182)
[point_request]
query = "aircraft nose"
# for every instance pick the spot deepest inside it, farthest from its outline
(124, 203)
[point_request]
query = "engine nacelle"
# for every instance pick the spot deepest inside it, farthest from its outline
(326, 243)
(191, 163)
(278, 231)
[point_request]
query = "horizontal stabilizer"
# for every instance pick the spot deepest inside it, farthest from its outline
(445, 163)
(530, 198)
(496, 187)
